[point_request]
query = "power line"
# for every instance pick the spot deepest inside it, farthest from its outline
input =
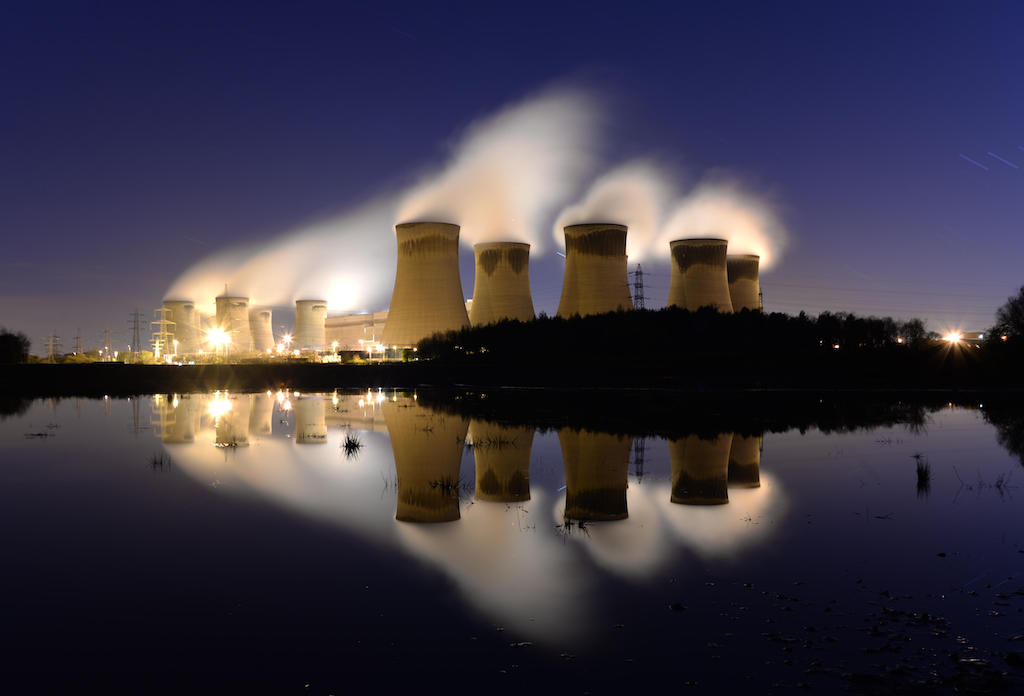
(638, 287)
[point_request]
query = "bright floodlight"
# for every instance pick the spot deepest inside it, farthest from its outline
(218, 338)
(952, 337)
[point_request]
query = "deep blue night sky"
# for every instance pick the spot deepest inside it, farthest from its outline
(137, 138)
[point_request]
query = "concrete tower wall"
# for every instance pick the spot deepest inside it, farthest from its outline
(260, 323)
(745, 462)
(595, 278)
(310, 323)
(428, 291)
(428, 451)
(502, 286)
(502, 457)
(596, 465)
(700, 470)
(186, 325)
(744, 286)
(699, 275)
(233, 317)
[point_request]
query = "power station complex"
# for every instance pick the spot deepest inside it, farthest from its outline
(428, 296)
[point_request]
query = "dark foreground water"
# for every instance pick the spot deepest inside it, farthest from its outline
(325, 544)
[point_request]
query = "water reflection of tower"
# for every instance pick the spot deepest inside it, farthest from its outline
(502, 456)
(700, 469)
(745, 462)
(174, 418)
(261, 418)
(639, 455)
(596, 467)
(232, 419)
(310, 414)
(428, 451)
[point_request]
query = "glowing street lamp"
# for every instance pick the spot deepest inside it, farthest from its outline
(218, 337)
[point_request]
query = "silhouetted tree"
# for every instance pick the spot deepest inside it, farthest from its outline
(1010, 317)
(13, 347)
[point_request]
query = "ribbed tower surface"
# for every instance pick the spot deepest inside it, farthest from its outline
(186, 324)
(428, 451)
(233, 317)
(428, 291)
(699, 275)
(596, 466)
(502, 456)
(261, 325)
(745, 462)
(595, 278)
(744, 286)
(700, 470)
(310, 325)
(502, 286)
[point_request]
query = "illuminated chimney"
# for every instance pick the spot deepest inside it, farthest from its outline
(596, 465)
(428, 291)
(262, 329)
(700, 470)
(502, 285)
(595, 278)
(699, 275)
(744, 287)
(186, 325)
(428, 451)
(310, 325)
(502, 457)
(233, 318)
(745, 462)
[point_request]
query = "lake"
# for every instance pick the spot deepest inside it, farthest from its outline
(315, 543)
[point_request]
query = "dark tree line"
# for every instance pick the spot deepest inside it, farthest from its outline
(13, 347)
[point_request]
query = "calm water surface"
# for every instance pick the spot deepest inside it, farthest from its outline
(295, 543)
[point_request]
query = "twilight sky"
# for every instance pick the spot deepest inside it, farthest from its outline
(138, 138)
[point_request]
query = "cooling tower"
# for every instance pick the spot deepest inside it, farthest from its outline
(262, 329)
(233, 317)
(596, 465)
(502, 286)
(428, 451)
(261, 418)
(232, 427)
(310, 420)
(502, 457)
(699, 275)
(595, 278)
(310, 327)
(744, 287)
(428, 292)
(186, 325)
(700, 470)
(745, 462)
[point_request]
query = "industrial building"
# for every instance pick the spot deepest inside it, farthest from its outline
(310, 318)
(595, 280)
(699, 275)
(744, 285)
(502, 283)
(233, 320)
(260, 323)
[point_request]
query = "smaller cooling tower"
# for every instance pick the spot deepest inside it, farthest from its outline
(699, 275)
(595, 279)
(700, 470)
(596, 466)
(233, 317)
(262, 329)
(186, 325)
(427, 298)
(310, 325)
(310, 420)
(502, 286)
(745, 462)
(744, 287)
(502, 457)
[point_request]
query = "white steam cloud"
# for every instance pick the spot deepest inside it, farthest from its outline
(725, 210)
(510, 171)
(634, 194)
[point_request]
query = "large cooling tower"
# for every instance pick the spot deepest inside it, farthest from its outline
(700, 470)
(310, 414)
(233, 317)
(186, 325)
(502, 457)
(262, 329)
(310, 318)
(744, 287)
(699, 275)
(596, 465)
(745, 462)
(595, 278)
(502, 286)
(428, 292)
(428, 451)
